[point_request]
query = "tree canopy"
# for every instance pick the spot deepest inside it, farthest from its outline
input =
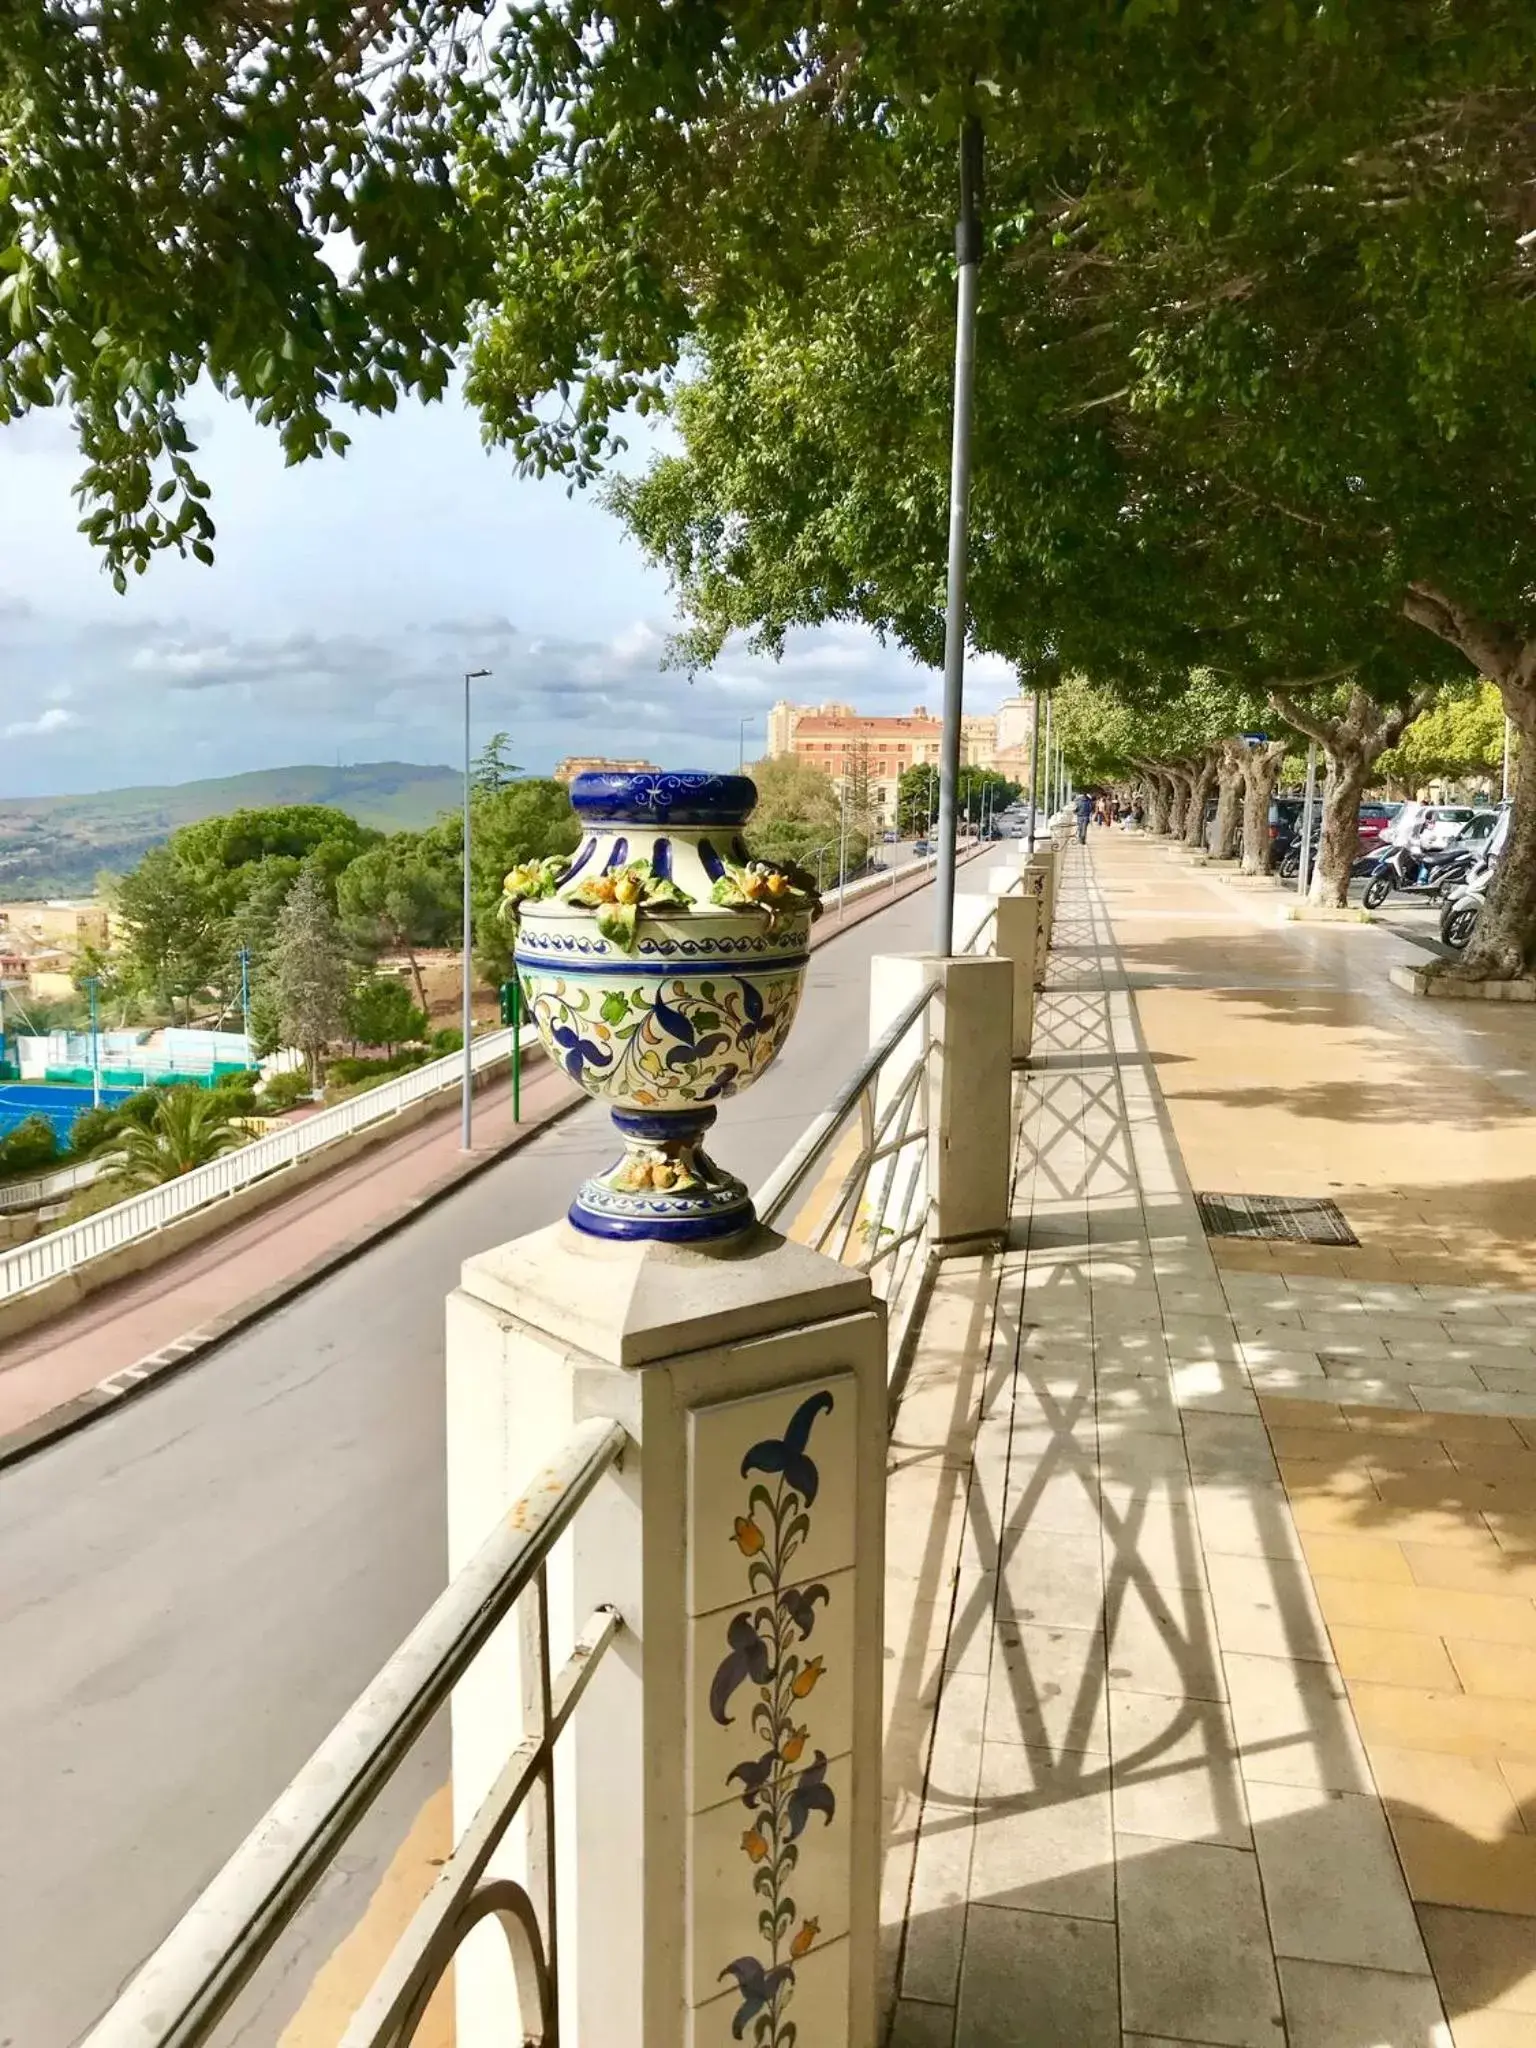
(1254, 354)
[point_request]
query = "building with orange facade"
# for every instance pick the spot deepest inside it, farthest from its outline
(872, 754)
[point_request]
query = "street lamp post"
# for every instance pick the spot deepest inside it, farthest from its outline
(93, 985)
(968, 263)
(466, 1128)
(1508, 730)
(741, 740)
(245, 996)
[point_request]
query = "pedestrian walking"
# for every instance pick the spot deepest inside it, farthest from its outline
(1084, 810)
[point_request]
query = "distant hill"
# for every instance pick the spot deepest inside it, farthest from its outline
(57, 845)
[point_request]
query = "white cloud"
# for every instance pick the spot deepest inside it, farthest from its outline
(52, 720)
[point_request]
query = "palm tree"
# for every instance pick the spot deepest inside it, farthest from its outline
(190, 1127)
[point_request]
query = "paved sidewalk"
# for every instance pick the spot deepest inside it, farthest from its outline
(1189, 1741)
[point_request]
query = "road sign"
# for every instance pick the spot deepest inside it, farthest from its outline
(1255, 739)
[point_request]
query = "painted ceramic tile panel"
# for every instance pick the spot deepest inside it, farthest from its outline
(820, 2008)
(821, 1713)
(764, 1896)
(771, 1538)
(800, 1439)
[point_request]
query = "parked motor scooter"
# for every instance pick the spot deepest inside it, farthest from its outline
(1463, 904)
(1413, 871)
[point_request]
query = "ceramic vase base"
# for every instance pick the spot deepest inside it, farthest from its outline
(664, 1186)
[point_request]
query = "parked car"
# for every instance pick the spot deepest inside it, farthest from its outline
(891, 837)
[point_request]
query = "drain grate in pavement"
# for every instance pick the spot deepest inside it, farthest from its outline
(1302, 1219)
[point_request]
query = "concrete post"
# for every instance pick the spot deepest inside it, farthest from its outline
(1018, 942)
(730, 1739)
(1039, 881)
(969, 1083)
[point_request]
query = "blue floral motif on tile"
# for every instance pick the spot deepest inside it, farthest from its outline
(781, 1789)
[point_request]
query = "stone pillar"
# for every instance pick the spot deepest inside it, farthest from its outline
(969, 1085)
(725, 1760)
(1039, 880)
(1018, 942)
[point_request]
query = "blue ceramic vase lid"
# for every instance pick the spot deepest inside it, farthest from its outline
(656, 797)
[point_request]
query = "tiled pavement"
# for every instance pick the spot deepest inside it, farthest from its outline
(1212, 1610)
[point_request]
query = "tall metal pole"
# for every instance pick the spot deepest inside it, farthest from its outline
(1304, 872)
(741, 739)
(968, 260)
(1508, 732)
(467, 1116)
(1034, 773)
(1050, 768)
(93, 984)
(245, 996)
(842, 840)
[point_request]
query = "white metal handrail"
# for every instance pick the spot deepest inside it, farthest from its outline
(180, 1995)
(876, 1218)
(31, 1194)
(48, 1258)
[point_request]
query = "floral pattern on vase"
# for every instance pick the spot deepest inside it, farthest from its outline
(783, 1782)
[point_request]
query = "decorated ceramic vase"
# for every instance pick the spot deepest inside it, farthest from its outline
(660, 1001)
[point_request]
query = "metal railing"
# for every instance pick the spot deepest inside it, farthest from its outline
(31, 1194)
(211, 1955)
(875, 1215)
(49, 1258)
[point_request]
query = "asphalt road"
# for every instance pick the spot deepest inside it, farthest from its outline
(194, 1588)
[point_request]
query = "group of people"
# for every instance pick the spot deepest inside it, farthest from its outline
(1089, 809)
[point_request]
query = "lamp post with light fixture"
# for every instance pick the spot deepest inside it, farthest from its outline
(466, 1129)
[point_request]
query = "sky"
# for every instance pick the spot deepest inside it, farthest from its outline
(348, 598)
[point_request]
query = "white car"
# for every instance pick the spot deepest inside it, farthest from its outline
(1443, 824)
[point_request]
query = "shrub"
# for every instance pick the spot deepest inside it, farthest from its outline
(449, 1039)
(349, 1070)
(237, 1096)
(242, 1080)
(283, 1091)
(93, 1128)
(380, 1012)
(140, 1108)
(31, 1148)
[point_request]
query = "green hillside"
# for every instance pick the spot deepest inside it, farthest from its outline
(57, 845)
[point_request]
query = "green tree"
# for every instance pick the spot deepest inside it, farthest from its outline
(172, 930)
(493, 768)
(190, 1128)
(399, 897)
(800, 819)
(307, 971)
(1254, 349)
(1460, 737)
(524, 820)
(379, 1011)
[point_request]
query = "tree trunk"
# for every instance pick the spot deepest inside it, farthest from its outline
(1504, 938)
(1201, 780)
(1159, 796)
(1339, 847)
(1503, 942)
(1261, 771)
(1229, 803)
(421, 988)
(1178, 808)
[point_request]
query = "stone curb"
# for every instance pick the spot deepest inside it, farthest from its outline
(1421, 981)
(1319, 913)
(152, 1371)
